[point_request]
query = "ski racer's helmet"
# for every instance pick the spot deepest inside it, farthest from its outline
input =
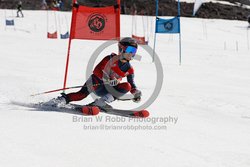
(124, 44)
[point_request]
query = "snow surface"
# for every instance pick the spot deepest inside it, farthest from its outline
(214, 1)
(205, 1)
(208, 95)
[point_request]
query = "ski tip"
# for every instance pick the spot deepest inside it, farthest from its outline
(90, 110)
(142, 114)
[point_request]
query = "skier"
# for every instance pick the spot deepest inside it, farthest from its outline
(19, 8)
(107, 75)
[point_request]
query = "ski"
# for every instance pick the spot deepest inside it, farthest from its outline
(83, 109)
(127, 113)
(68, 108)
(113, 111)
(80, 109)
(90, 110)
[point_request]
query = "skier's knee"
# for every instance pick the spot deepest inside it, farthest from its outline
(124, 87)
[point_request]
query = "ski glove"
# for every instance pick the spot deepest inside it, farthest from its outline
(113, 82)
(137, 95)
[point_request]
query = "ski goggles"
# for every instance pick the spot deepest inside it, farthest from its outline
(131, 49)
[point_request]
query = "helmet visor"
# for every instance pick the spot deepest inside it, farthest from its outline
(131, 49)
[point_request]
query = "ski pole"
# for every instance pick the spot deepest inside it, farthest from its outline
(56, 90)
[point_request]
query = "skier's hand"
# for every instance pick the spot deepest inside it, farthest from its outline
(137, 95)
(111, 81)
(114, 82)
